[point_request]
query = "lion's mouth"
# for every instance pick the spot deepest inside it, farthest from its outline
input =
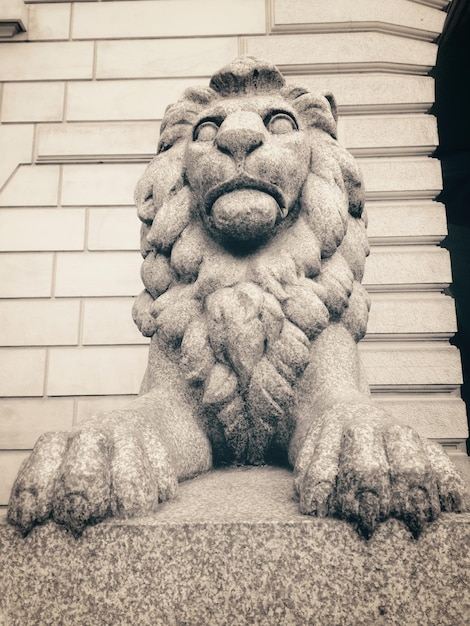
(244, 181)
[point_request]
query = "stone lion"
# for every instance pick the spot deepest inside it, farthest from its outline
(254, 243)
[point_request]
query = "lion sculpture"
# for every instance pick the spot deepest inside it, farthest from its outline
(254, 244)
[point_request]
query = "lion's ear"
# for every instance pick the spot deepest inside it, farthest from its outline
(318, 110)
(332, 102)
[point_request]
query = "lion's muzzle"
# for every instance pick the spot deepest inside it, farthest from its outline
(247, 214)
(245, 208)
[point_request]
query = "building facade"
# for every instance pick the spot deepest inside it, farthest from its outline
(83, 88)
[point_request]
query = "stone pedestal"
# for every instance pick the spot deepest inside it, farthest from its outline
(233, 550)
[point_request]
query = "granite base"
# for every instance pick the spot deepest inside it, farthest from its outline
(233, 550)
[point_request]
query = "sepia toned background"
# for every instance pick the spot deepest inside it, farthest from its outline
(84, 87)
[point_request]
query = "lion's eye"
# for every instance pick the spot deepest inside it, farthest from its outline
(281, 123)
(163, 147)
(206, 131)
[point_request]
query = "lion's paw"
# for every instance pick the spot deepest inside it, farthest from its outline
(363, 468)
(79, 478)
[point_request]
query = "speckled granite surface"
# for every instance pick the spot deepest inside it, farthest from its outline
(233, 550)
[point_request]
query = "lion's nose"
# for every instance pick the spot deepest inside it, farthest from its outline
(241, 133)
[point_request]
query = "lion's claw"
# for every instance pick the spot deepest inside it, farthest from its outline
(418, 510)
(368, 513)
(452, 502)
(100, 470)
(373, 471)
(317, 500)
(75, 511)
(21, 513)
(33, 491)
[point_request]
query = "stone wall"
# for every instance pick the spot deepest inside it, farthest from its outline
(83, 91)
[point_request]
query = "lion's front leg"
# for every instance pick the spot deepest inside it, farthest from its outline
(120, 463)
(352, 461)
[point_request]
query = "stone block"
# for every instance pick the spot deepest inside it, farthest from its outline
(42, 229)
(409, 364)
(404, 266)
(401, 178)
(87, 407)
(100, 184)
(39, 322)
(233, 549)
(413, 315)
(98, 274)
(46, 60)
(25, 275)
(122, 100)
(402, 135)
(324, 52)
(10, 461)
(113, 229)
(113, 184)
(402, 220)
(435, 416)
(162, 58)
(439, 4)
(400, 16)
(389, 134)
(94, 371)
(16, 146)
(375, 92)
(23, 420)
(31, 185)
(22, 372)
(108, 321)
(49, 22)
(119, 370)
(93, 141)
(417, 315)
(33, 102)
(164, 18)
(114, 100)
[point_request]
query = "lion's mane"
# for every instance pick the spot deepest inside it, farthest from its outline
(243, 325)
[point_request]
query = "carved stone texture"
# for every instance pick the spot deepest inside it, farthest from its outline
(254, 244)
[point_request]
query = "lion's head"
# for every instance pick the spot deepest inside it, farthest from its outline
(254, 241)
